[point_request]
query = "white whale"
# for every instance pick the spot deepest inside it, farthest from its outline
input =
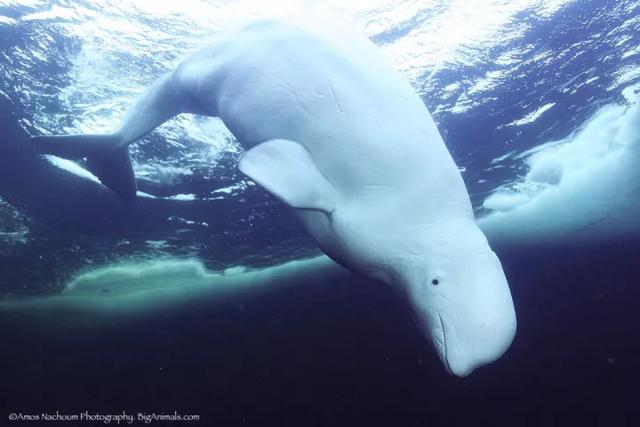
(342, 138)
(585, 189)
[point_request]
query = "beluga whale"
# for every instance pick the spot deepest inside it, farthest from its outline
(331, 129)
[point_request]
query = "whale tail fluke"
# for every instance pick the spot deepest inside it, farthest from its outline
(115, 171)
(74, 147)
(112, 167)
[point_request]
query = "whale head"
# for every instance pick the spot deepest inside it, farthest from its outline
(446, 269)
(463, 303)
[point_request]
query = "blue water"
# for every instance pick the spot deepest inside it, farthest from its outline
(500, 78)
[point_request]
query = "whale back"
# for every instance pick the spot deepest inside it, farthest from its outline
(332, 91)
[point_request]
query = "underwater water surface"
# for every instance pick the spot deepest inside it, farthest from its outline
(207, 297)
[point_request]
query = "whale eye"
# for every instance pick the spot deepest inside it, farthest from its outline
(435, 282)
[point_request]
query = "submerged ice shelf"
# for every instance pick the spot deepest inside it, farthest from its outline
(151, 285)
(584, 188)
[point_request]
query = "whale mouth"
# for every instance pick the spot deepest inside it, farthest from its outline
(443, 348)
(456, 368)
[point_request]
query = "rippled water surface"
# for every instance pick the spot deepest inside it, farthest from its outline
(500, 77)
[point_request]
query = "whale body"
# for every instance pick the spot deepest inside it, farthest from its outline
(332, 130)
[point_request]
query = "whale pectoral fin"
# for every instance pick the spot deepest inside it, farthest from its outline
(287, 170)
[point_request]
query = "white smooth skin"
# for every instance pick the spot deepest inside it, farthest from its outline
(340, 136)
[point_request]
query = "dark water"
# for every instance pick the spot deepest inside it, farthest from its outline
(318, 351)
(346, 353)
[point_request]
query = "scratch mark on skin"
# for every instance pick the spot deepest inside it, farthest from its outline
(292, 93)
(301, 103)
(335, 97)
